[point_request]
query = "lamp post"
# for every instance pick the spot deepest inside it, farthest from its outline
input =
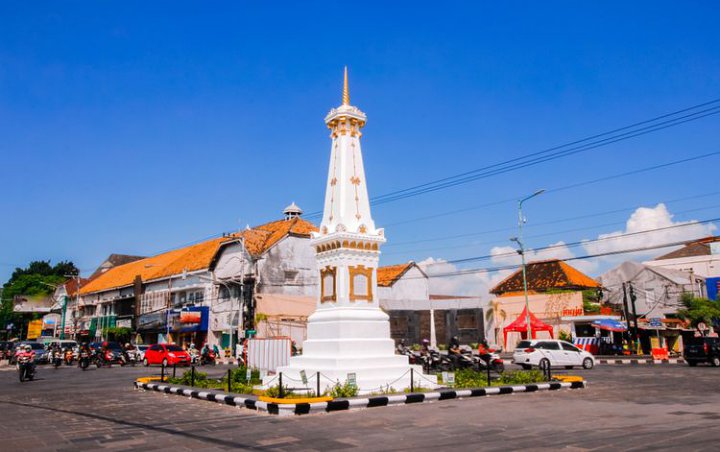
(519, 241)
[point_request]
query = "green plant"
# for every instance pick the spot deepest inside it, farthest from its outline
(274, 391)
(565, 336)
(521, 377)
(415, 347)
(343, 390)
(697, 310)
(442, 346)
(468, 378)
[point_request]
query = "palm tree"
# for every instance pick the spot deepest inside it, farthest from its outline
(493, 313)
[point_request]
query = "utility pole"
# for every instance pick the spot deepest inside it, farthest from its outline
(625, 307)
(633, 297)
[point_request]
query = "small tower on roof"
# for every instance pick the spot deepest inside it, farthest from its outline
(292, 211)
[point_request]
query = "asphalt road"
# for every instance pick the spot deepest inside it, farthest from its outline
(624, 407)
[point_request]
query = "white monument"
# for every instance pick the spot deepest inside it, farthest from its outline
(348, 333)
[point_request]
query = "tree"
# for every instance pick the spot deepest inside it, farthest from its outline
(37, 279)
(697, 310)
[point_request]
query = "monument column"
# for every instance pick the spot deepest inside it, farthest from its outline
(348, 332)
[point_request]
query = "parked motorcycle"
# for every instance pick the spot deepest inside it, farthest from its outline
(25, 367)
(495, 362)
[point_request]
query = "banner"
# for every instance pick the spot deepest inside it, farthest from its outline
(34, 329)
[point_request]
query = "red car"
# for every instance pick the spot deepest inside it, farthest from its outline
(166, 354)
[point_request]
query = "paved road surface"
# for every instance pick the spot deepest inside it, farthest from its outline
(628, 407)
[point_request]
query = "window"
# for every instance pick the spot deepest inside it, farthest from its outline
(360, 283)
(548, 345)
(291, 275)
(155, 348)
(569, 348)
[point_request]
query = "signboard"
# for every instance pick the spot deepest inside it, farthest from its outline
(248, 374)
(34, 329)
(303, 377)
(448, 378)
(352, 379)
(124, 323)
(655, 322)
(190, 317)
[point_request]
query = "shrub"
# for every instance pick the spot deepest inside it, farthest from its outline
(274, 391)
(344, 390)
(521, 377)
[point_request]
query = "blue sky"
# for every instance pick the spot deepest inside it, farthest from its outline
(134, 128)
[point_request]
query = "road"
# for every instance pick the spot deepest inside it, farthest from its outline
(624, 407)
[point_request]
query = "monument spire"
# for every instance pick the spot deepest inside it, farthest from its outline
(348, 334)
(346, 90)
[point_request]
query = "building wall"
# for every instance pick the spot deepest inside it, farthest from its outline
(547, 307)
(413, 326)
(412, 286)
(707, 266)
(289, 267)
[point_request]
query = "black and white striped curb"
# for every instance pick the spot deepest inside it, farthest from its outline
(349, 404)
(641, 361)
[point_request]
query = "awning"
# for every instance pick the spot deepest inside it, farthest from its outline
(610, 325)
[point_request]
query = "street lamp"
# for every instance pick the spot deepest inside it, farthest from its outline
(518, 240)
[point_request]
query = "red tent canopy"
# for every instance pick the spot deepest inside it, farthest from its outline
(520, 326)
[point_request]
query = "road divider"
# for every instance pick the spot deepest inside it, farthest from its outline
(295, 407)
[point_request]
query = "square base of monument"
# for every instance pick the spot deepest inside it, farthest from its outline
(386, 373)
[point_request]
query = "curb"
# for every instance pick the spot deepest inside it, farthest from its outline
(641, 361)
(351, 404)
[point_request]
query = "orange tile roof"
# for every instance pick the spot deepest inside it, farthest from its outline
(196, 257)
(387, 276)
(261, 238)
(190, 258)
(543, 276)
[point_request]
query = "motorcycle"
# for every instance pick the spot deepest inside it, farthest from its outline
(84, 360)
(69, 357)
(25, 368)
(194, 357)
(208, 357)
(494, 361)
(129, 357)
(56, 358)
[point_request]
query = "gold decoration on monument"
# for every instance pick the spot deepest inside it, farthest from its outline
(361, 283)
(328, 284)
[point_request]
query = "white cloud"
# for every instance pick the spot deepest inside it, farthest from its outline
(645, 219)
(642, 219)
(470, 284)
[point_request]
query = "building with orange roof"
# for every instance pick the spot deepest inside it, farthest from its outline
(218, 277)
(555, 294)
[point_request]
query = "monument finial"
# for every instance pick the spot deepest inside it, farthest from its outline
(346, 90)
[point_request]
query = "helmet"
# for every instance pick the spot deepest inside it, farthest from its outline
(425, 341)
(127, 345)
(27, 348)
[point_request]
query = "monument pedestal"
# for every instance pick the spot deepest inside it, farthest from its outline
(352, 340)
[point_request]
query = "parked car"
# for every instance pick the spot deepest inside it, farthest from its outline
(7, 349)
(556, 353)
(703, 350)
(166, 354)
(140, 350)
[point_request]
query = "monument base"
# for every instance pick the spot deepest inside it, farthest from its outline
(347, 342)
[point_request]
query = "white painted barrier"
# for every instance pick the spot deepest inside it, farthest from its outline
(268, 353)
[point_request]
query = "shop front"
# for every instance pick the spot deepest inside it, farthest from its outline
(598, 334)
(179, 326)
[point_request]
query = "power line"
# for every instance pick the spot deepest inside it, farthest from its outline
(587, 256)
(584, 228)
(591, 142)
(577, 243)
(562, 188)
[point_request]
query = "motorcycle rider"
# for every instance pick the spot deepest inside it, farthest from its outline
(484, 351)
(454, 351)
(27, 352)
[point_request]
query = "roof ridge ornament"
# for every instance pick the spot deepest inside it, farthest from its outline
(346, 89)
